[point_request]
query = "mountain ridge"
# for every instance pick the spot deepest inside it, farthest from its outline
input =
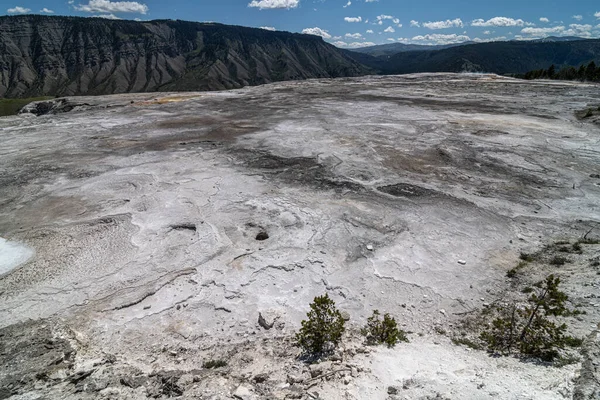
(509, 57)
(64, 55)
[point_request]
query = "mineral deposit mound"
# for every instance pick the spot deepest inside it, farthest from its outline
(169, 245)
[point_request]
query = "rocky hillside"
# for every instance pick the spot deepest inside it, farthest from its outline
(50, 55)
(515, 57)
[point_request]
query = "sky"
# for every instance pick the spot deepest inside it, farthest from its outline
(356, 23)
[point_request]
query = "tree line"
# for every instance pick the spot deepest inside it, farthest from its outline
(589, 73)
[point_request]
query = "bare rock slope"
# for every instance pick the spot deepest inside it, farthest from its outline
(175, 231)
(48, 55)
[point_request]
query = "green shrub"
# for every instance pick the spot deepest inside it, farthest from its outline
(528, 329)
(558, 261)
(527, 257)
(323, 329)
(466, 342)
(210, 364)
(511, 273)
(383, 331)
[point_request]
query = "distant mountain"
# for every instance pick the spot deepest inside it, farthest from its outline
(559, 39)
(516, 57)
(52, 55)
(390, 49)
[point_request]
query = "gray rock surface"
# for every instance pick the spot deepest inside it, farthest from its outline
(143, 211)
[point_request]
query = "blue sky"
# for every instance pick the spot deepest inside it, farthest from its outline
(355, 23)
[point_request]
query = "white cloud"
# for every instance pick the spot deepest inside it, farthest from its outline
(18, 10)
(578, 17)
(383, 16)
(542, 31)
(455, 23)
(348, 4)
(268, 28)
(597, 15)
(370, 1)
(105, 16)
(46, 11)
(396, 21)
(353, 35)
(389, 29)
(353, 19)
(270, 4)
(441, 39)
(354, 45)
(415, 23)
(496, 39)
(107, 6)
(317, 32)
(487, 32)
(370, 31)
(544, 19)
(579, 30)
(498, 21)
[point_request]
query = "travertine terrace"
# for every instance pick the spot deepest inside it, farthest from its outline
(410, 194)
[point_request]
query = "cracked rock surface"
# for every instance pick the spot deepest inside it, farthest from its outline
(165, 224)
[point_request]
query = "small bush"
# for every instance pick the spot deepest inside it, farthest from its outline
(573, 341)
(323, 329)
(588, 241)
(528, 328)
(211, 364)
(511, 273)
(577, 247)
(466, 342)
(378, 331)
(527, 257)
(558, 261)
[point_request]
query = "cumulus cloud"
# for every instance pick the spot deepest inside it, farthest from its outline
(487, 32)
(317, 32)
(46, 11)
(271, 4)
(544, 19)
(441, 39)
(268, 28)
(348, 4)
(496, 39)
(498, 21)
(353, 19)
(578, 17)
(353, 45)
(18, 10)
(542, 31)
(597, 15)
(415, 23)
(579, 30)
(455, 23)
(353, 35)
(107, 6)
(383, 16)
(370, 31)
(389, 29)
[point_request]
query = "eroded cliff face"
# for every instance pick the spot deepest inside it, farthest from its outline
(41, 55)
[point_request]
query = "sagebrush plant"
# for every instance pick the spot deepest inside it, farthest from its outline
(383, 331)
(528, 328)
(323, 329)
